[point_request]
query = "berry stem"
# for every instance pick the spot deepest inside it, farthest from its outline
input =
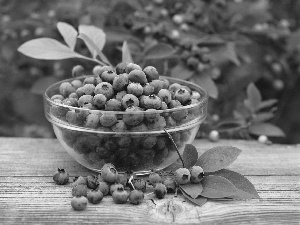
(169, 135)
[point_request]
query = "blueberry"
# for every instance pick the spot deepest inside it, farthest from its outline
(113, 105)
(88, 89)
(139, 128)
(103, 186)
(151, 115)
(182, 95)
(79, 181)
(149, 142)
(76, 84)
(74, 95)
(130, 100)
(148, 89)
(60, 97)
(65, 89)
(115, 187)
(166, 82)
(106, 89)
(120, 196)
(170, 184)
(91, 121)
(109, 173)
(131, 66)
(80, 190)
(98, 70)
(195, 95)
(180, 114)
(182, 175)
(160, 156)
(72, 118)
(80, 92)
(99, 101)
(95, 196)
(77, 71)
(151, 73)
(197, 174)
(158, 124)
(154, 178)
(139, 184)
(120, 95)
(85, 99)
(135, 89)
(120, 126)
(120, 82)
(137, 76)
(108, 76)
(157, 84)
(152, 102)
(120, 68)
(79, 203)
(92, 181)
(136, 197)
(160, 143)
(135, 118)
(174, 87)
(124, 141)
(174, 104)
(61, 177)
(165, 95)
(160, 190)
(108, 120)
(70, 102)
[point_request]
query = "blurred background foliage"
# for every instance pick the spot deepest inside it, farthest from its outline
(223, 45)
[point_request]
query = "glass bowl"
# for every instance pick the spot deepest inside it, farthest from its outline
(139, 148)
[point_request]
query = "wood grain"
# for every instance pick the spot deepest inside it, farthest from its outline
(28, 194)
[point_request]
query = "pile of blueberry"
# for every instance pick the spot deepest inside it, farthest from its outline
(109, 182)
(123, 100)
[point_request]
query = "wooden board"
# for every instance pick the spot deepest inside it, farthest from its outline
(28, 194)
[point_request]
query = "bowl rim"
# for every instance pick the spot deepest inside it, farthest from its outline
(55, 121)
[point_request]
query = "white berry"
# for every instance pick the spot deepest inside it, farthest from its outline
(214, 136)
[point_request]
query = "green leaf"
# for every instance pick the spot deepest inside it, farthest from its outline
(126, 54)
(253, 100)
(190, 155)
(267, 129)
(159, 51)
(218, 158)
(223, 54)
(261, 117)
(267, 103)
(69, 33)
(47, 48)
(198, 201)
(204, 80)
(42, 84)
(217, 187)
(96, 35)
(246, 189)
(193, 190)
(182, 72)
(89, 42)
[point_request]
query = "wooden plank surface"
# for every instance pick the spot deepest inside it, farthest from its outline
(28, 194)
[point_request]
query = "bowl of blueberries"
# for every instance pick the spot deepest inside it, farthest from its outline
(128, 116)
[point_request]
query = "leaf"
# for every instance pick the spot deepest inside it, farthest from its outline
(96, 35)
(47, 48)
(182, 72)
(69, 33)
(190, 155)
(217, 187)
(193, 190)
(126, 54)
(200, 201)
(253, 97)
(246, 189)
(205, 81)
(42, 84)
(159, 51)
(267, 103)
(224, 53)
(218, 158)
(261, 117)
(267, 129)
